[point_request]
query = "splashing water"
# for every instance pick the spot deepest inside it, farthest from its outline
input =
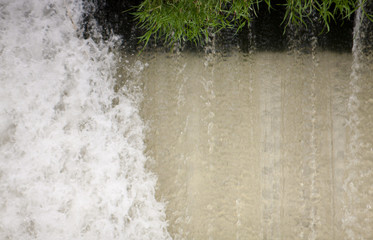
(350, 222)
(71, 163)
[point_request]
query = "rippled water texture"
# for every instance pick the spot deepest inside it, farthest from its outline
(263, 145)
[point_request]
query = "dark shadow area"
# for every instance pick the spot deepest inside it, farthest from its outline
(113, 16)
(339, 38)
(267, 31)
(367, 29)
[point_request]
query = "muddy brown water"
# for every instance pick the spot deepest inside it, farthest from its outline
(263, 145)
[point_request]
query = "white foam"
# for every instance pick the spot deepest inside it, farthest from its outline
(71, 164)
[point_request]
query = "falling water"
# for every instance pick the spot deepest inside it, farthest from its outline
(258, 145)
(262, 145)
(359, 168)
(71, 147)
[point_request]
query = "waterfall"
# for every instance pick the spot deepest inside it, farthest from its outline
(358, 165)
(255, 145)
(71, 148)
(270, 138)
(349, 220)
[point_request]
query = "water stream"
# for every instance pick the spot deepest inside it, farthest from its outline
(71, 147)
(263, 145)
(96, 143)
(257, 146)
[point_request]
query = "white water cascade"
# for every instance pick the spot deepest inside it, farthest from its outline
(98, 144)
(71, 148)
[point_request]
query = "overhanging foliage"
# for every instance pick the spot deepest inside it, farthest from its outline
(194, 20)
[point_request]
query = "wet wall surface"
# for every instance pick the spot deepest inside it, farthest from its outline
(262, 146)
(263, 135)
